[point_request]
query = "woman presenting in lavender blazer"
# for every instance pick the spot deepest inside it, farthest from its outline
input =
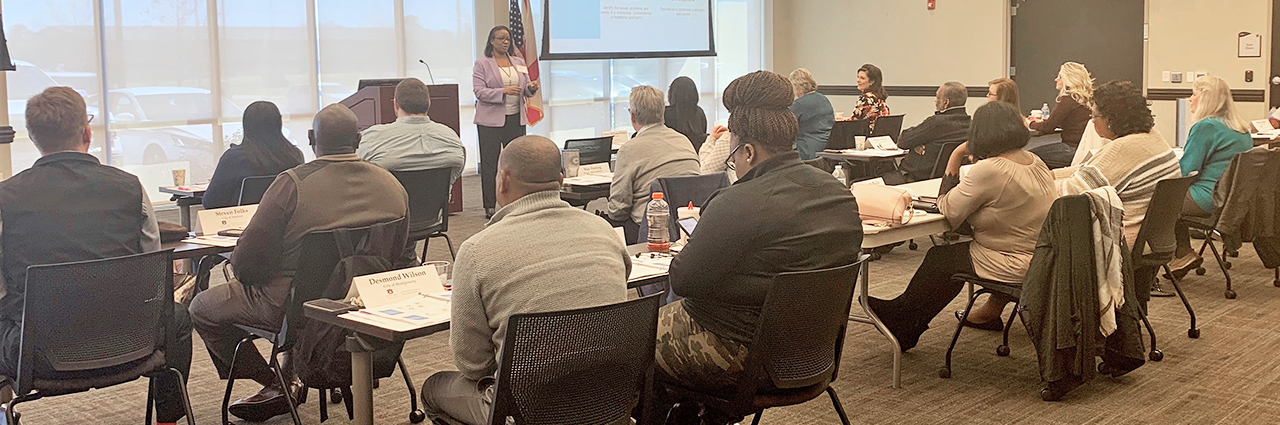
(501, 84)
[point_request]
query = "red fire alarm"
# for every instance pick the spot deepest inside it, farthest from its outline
(932, 4)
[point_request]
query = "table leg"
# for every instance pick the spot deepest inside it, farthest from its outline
(184, 212)
(362, 385)
(871, 319)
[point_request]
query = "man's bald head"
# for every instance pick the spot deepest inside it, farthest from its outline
(336, 130)
(531, 159)
(529, 164)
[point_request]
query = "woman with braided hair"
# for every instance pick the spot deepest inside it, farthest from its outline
(780, 216)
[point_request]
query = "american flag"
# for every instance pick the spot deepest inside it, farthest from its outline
(522, 17)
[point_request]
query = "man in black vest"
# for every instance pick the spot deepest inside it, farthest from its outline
(68, 207)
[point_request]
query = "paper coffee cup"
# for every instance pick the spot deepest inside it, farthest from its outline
(179, 177)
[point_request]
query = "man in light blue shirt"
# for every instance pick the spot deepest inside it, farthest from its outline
(413, 142)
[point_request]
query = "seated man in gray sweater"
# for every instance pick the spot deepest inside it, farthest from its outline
(538, 254)
(655, 151)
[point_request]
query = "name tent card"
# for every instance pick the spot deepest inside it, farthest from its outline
(380, 289)
(216, 220)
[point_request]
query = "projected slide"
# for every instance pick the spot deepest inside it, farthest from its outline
(597, 29)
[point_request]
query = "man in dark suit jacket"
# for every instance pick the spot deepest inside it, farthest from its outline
(924, 142)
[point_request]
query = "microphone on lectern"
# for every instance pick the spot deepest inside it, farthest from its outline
(433, 77)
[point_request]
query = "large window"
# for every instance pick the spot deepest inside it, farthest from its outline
(168, 80)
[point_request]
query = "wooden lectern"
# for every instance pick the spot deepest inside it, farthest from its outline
(372, 105)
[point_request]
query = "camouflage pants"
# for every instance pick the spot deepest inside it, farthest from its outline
(694, 356)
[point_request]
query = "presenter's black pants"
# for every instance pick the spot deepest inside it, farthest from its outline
(492, 140)
(177, 355)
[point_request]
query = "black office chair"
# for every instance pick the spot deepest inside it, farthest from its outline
(795, 354)
(592, 151)
(843, 133)
(1253, 205)
(888, 125)
(584, 366)
(1156, 234)
(679, 192)
(252, 189)
(319, 256)
(428, 205)
(944, 156)
(114, 333)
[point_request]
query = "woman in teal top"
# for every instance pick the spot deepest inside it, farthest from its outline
(814, 112)
(1218, 135)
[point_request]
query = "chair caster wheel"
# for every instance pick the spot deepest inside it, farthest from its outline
(335, 396)
(1002, 351)
(417, 416)
(1156, 355)
(944, 373)
(1193, 333)
(1233, 254)
(1048, 395)
(1231, 295)
(1226, 265)
(1200, 271)
(1104, 368)
(1276, 283)
(913, 246)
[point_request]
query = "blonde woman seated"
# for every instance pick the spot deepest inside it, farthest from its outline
(1218, 135)
(1005, 197)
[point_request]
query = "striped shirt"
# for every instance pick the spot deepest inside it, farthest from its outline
(1132, 165)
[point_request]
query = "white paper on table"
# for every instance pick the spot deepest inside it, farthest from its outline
(875, 153)
(416, 312)
(380, 289)
(589, 179)
(214, 240)
(216, 220)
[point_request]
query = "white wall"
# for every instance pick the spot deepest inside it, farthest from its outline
(1201, 36)
(961, 40)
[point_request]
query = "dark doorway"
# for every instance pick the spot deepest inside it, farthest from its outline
(1104, 35)
(1274, 78)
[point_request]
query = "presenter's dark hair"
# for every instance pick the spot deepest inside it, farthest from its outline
(997, 128)
(488, 44)
(759, 107)
(877, 81)
(1126, 111)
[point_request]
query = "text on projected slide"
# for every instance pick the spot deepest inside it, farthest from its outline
(636, 26)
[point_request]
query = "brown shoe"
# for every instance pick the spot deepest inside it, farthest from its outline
(266, 404)
(1181, 265)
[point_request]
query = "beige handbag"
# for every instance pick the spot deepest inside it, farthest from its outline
(883, 205)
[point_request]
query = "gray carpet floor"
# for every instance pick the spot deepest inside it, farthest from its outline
(1230, 375)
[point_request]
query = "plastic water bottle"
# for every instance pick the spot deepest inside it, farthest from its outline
(659, 214)
(839, 173)
(1044, 110)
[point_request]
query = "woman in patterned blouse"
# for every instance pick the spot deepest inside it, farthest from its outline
(871, 103)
